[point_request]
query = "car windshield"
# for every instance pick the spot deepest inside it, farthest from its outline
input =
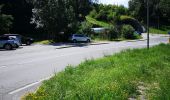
(5, 38)
(12, 38)
(79, 35)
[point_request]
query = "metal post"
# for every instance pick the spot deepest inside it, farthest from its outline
(148, 24)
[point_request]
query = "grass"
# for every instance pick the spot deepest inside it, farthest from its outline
(115, 77)
(45, 42)
(95, 22)
(123, 17)
(162, 30)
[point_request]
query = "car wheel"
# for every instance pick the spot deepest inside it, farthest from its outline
(16, 46)
(74, 41)
(8, 47)
(88, 41)
(28, 43)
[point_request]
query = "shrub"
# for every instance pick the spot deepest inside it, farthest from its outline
(128, 32)
(114, 32)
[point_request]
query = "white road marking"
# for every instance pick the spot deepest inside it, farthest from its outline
(27, 86)
(3, 66)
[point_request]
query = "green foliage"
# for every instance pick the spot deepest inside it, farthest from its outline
(21, 11)
(165, 8)
(128, 32)
(85, 28)
(108, 13)
(114, 77)
(5, 22)
(59, 15)
(159, 9)
(54, 15)
(161, 30)
(121, 10)
(114, 32)
(96, 22)
(124, 17)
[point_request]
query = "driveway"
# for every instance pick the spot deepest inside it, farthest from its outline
(23, 70)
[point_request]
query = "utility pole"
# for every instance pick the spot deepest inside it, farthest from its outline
(148, 24)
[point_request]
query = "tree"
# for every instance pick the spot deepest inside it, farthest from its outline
(158, 9)
(165, 8)
(5, 22)
(53, 15)
(21, 10)
(58, 15)
(85, 28)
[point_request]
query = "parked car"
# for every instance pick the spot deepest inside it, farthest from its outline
(8, 43)
(79, 38)
(21, 39)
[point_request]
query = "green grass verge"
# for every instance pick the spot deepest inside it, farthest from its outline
(95, 22)
(162, 30)
(45, 42)
(114, 77)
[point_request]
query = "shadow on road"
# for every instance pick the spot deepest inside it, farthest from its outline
(1, 49)
(69, 45)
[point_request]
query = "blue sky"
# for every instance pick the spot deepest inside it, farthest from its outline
(119, 2)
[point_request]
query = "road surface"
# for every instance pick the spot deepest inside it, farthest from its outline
(24, 69)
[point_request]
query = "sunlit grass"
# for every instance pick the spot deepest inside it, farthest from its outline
(163, 30)
(45, 42)
(113, 77)
(96, 22)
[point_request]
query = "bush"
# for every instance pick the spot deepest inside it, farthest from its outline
(128, 32)
(114, 33)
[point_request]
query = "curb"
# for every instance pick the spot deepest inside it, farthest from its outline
(135, 40)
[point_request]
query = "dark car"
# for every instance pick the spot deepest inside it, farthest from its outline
(8, 43)
(21, 39)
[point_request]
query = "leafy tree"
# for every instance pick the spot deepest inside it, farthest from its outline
(158, 9)
(165, 8)
(59, 15)
(108, 13)
(5, 22)
(21, 10)
(85, 28)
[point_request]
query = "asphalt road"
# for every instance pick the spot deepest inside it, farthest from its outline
(24, 69)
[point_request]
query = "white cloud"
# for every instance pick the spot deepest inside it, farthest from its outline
(116, 2)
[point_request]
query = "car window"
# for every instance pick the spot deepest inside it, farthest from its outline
(77, 35)
(4, 38)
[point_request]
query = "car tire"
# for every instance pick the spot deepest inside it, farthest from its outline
(16, 46)
(8, 47)
(88, 41)
(74, 41)
(28, 43)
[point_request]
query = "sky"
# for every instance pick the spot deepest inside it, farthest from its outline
(119, 2)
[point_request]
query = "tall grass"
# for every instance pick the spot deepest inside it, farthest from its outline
(114, 77)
